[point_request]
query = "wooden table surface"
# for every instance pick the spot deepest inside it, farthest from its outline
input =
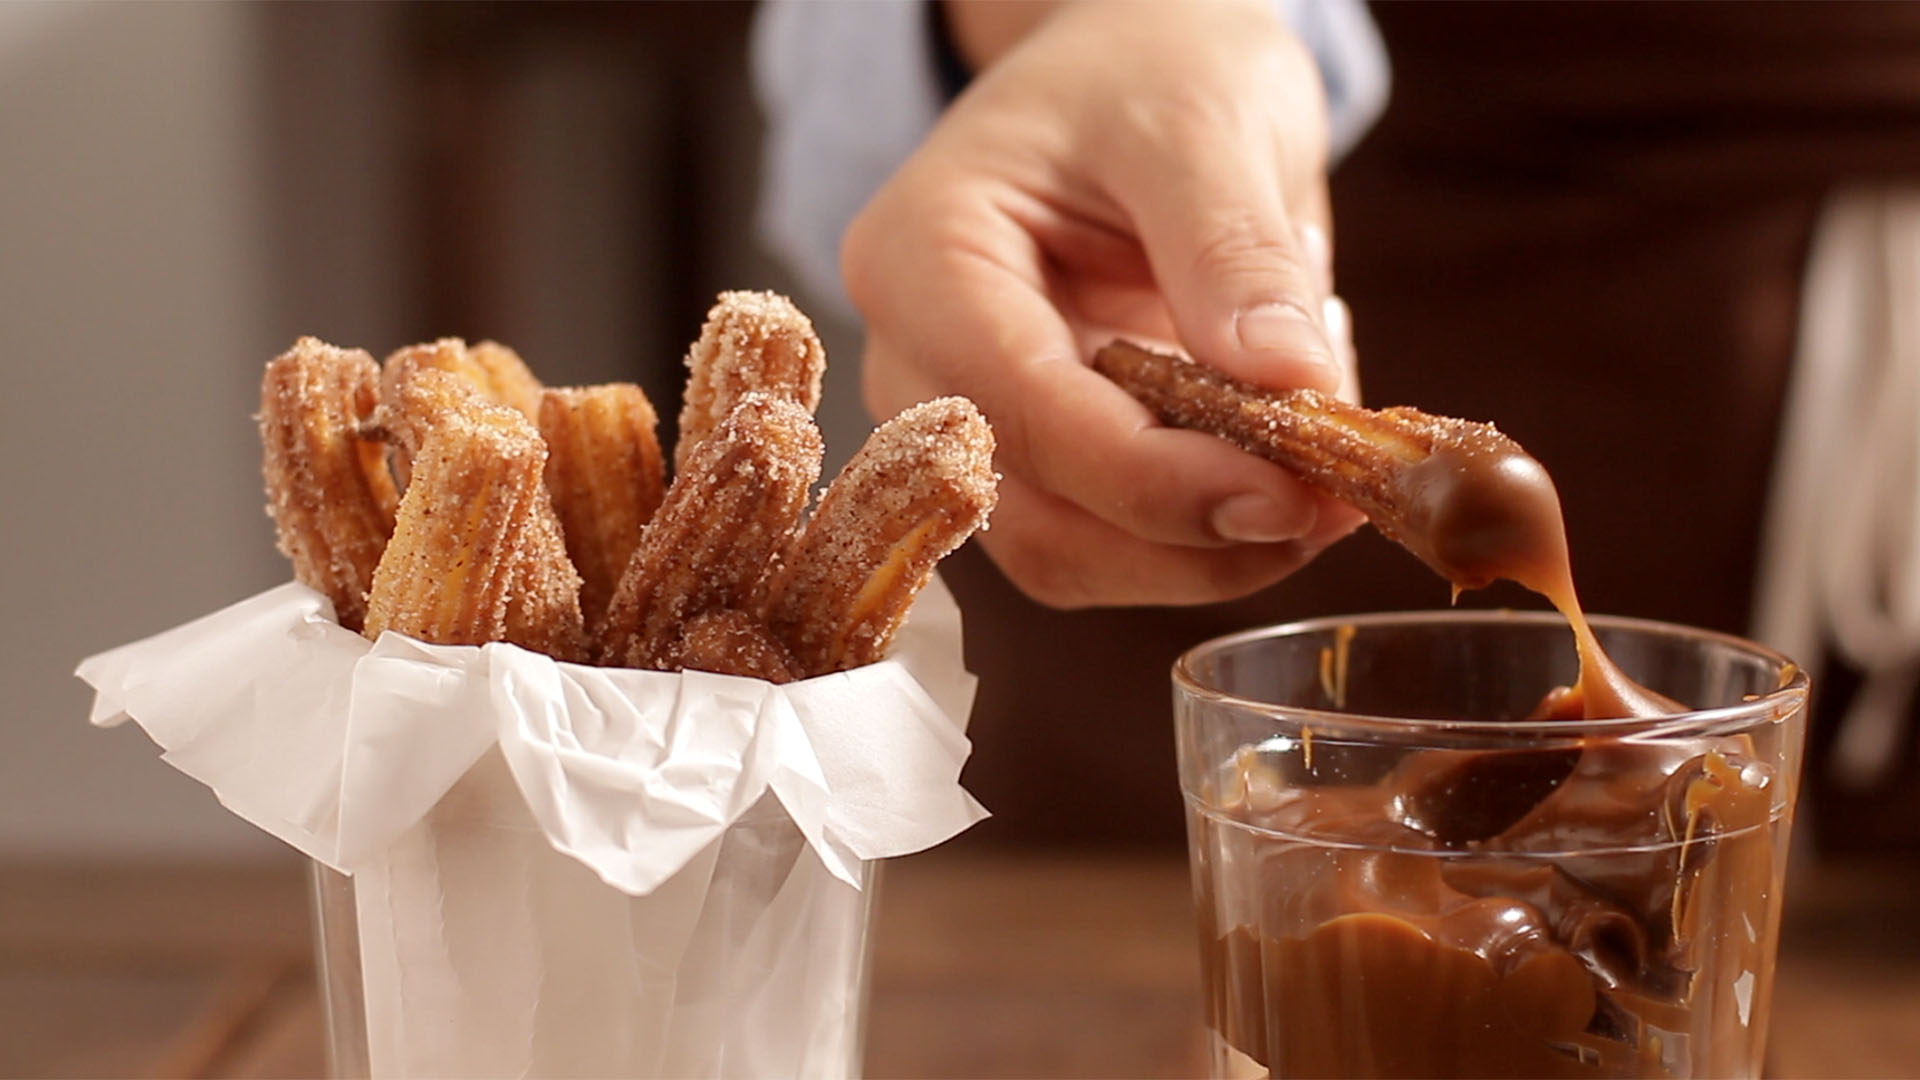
(986, 965)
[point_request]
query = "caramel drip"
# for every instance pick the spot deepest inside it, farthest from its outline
(1488, 510)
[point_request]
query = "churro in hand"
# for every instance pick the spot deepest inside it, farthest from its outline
(1464, 498)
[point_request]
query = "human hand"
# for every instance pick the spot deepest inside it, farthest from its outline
(1150, 170)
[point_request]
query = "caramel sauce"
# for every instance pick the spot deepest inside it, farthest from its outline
(1535, 911)
(1480, 509)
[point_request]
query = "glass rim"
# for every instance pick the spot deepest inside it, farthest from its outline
(1783, 701)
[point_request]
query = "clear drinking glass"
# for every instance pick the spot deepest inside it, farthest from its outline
(443, 953)
(336, 949)
(1397, 873)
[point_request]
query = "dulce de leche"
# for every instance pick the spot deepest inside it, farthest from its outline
(1578, 940)
(1585, 908)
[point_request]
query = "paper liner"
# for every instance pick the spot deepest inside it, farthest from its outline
(337, 745)
(563, 870)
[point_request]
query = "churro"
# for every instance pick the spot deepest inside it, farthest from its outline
(466, 524)
(1464, 498)
(496, 371)
(329, 493)
(921, 485)
(521, 586)
(752, 342)
(533, 515)
(730, 642)
(493, 371)
(726, 518)
(544, 611)
(506, 378)
(606, 476)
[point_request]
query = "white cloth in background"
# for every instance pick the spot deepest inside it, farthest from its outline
(1841, 558)
(850, 87)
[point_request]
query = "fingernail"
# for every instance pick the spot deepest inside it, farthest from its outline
(1254, 518)
(1337, 319)
(1339, 323)
(1282, 328)
(1285, 330)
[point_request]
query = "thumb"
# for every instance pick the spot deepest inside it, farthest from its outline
(1228, 259)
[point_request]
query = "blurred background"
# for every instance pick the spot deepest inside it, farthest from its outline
(1584, 225)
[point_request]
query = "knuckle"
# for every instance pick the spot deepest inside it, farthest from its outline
(897, 238)
(1188, 116)
(1185, 123)
(1238, 245)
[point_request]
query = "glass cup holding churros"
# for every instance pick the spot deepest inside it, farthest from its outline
(608, 753)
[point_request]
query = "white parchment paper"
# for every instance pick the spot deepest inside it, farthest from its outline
(562, 870)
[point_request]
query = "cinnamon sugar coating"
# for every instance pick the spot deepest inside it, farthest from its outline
(606, 476)
(1461, 496)
(329, 492)
(477, 555)
(544, 608)
(725, 519)
(729, 642)
(919, 487)
(752, 342)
